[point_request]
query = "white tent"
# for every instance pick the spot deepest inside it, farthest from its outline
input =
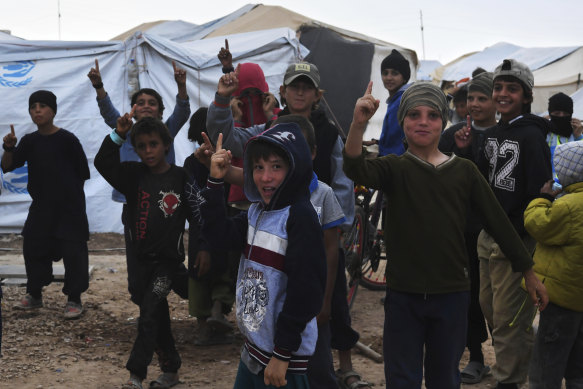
(62, 67)
(555, 69)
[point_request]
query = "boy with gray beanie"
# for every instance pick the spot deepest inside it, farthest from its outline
(427, 284)
(56, 226)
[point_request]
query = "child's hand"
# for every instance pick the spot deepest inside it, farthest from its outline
(548, 189)
(125, 123)
(225, 56)
(463, 136)
(274, 373)
(577, 127)
(179, 75)
(365, 107)
(269, 104)
(202, 263)
(205, 151)
(536, 289)
(94, 74)
(220, 161)
(10, 139)
(236, 105)
(229, 83)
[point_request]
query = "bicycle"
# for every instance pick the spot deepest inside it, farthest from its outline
(363, 243)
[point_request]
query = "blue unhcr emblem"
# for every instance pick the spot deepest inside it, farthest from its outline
(16, 180)
(15, 74)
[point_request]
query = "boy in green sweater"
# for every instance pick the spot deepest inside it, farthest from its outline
(429, 195)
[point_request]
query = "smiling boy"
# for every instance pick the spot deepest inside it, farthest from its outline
(427, 285)
(157, 212)
(282, 272)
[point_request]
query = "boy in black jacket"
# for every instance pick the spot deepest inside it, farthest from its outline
(154, 190)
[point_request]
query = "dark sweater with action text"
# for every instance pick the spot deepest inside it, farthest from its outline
(156, 203)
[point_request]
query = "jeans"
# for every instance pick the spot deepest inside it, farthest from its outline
(558, 350)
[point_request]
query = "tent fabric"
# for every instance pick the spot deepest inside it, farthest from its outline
(62, 68)
(346, 66)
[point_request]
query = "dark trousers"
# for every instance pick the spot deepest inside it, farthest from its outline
(477, 331)
(343, 337)
(154, 332)
(558, 350)
(39, 255)
(434, 323)
(180, 286)
(320, 366)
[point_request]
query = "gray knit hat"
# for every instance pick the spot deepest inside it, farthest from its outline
(423, 93)
(482, 83)
(568, 160)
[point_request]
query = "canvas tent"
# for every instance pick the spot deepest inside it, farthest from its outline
(62, 67)
(26, 66)
(555, 69)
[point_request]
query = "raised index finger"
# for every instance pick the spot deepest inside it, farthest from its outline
(369, 88)
(226, 44)
(96, 65)
(12, 129)
(133, 110)
(219, 143)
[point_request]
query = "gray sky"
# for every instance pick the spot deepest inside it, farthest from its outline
(452, 28)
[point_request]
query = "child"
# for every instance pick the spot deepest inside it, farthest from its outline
(56, 226)
(565, 128)
(395, 73)
(429, 196)
(157, 212)
(280, 283)
(483, 115)
(557, 227)
(149, 104)
(212, 278)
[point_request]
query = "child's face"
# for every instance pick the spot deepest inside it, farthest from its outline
(508, 97)
(152, 151)
(41, 114)
(147, 106)
(393, 80)
(422, 126)
(268, 175)
(300, 96)
(461, 108)
(481, 107)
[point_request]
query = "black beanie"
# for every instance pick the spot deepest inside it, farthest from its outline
(45, 97)
(396, 61)
(561, 102)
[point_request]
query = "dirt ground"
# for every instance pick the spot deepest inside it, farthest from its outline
(42, 350)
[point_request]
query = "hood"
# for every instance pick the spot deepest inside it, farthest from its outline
(251, 76)
(295, 187)
(568, 160)
(529, 119)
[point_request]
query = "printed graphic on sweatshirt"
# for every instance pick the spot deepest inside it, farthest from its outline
(253, 298)
(508, 151)
(169, 203)
(161, 287)
(143, 212)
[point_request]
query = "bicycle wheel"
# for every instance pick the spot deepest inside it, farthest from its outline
(354, 243)
(374, 264)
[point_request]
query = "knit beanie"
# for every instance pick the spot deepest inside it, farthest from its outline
(423, 93)
(482, 83)
(45, 97)
(396, 61)
(561, 102)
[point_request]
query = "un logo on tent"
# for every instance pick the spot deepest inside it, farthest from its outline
(16, 74)
(16, 180)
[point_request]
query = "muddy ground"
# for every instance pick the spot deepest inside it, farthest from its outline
(41, 350)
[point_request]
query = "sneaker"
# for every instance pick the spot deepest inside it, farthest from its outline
(29, 302)
(73, 310)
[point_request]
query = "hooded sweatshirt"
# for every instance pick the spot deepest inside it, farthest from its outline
(516, 162)
(282, 271)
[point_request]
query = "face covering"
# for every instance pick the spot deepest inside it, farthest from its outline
(562, 125)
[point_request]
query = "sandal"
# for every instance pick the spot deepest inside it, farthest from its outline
(474, 372)
(165, 381)
(133, 383)
(343, 378)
